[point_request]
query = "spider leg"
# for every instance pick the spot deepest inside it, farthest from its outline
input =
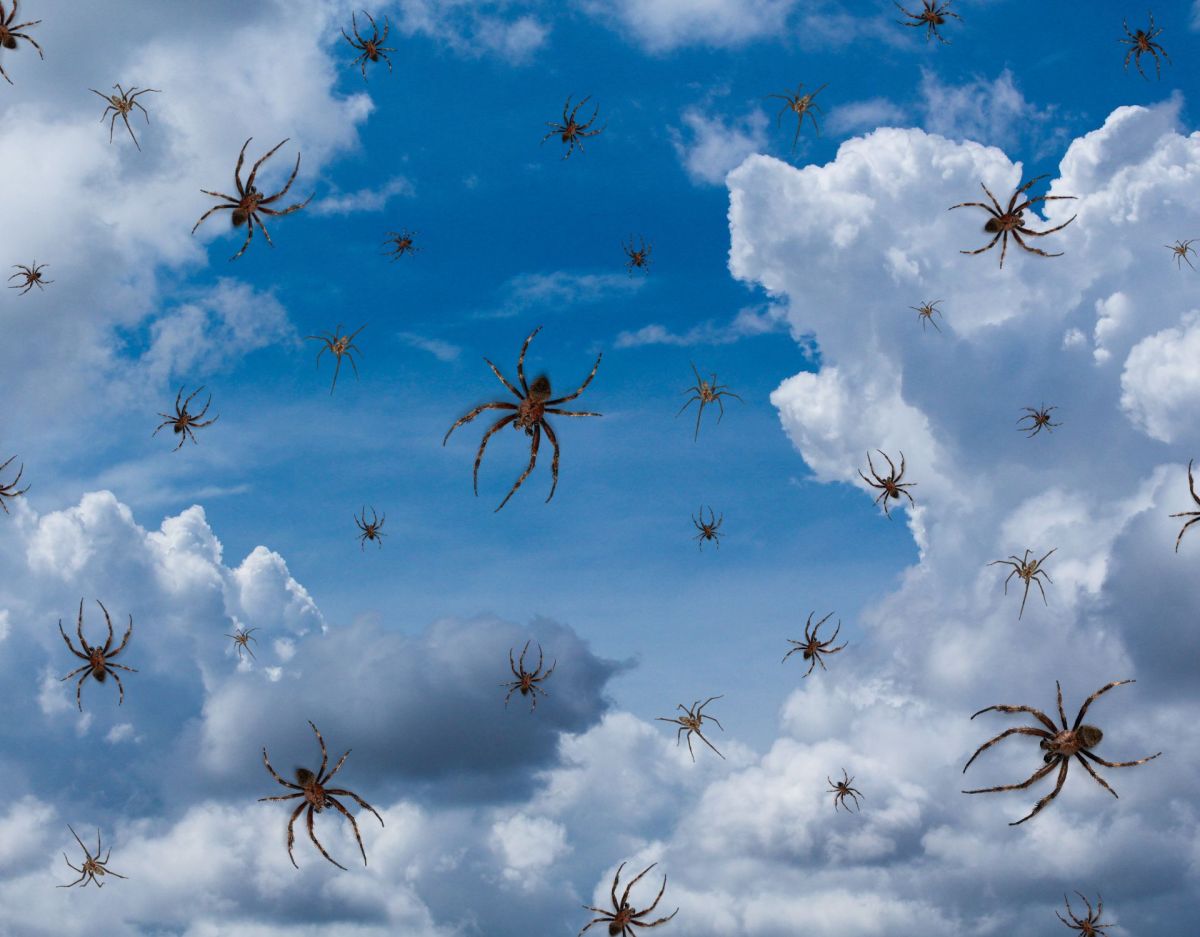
(571, 412)
(521, 357)
(79, 689)
(1025, 596)
(1062, 777)
(504, 381)
(591, 923)
(287, 185)
(209, 212)
(1088, 702)
(124, 640)
(263, 159)
(1038, 234)
(125, 118)
(275, 775)
(585, 383)
(657, 898)
(120, 687)
(70, 646)
(1034, 778)
(554, 484)
(1092, 772)
(353, 823)
(254, 219)
(312, 835)
(1119, 764)
(1016, 730)
(504, 421)
(495, 405)
(533, 451)
(249, 235)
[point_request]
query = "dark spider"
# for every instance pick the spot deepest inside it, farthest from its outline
(1140, 42)
(706, 393)
(800, 105)
(340, 345)
(1027, 571)
(637, 258)
(1040, 418)
(931, 17)
(242, 639)
(10, 490)
(371, 48)
(92, 865)
(9, 34)
(572, 132)
(32, 275)
(121, 105)
(890, 486)
(1012, 221)
(708, 531)
(1089, 926)
(842, 789)
(691, 722)
(183, 422)
(812, 646)
(370, 531)
(1180, 250)
(623, 919)
(402, 243)
(99, 659)
(1194, 515)
(925, 313)
(527, 682)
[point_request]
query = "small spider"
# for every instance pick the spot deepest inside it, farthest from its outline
(9, 34)
(242, 638)
(706, 392)
(32, 275)
(526, 681)
(1040, 418)
(370, 531)
(691, 721)
(800, 105)
(183, 422)
(1059, 745)
(401, 243)
(812, 646)
(1090, 926)
(625, 918)
(1012, 221)
(340, 345)
(316, 797)
(931, 17)
(1194, 515)
(572, 132)
(92, 865)
(1027, 571)
(708, 531)
(890, 486)
(10, 490)
(925, 313)
(1140, 42)
(99, 659)
(121, 105)
(1180, 250)
(842, 789)
(637, 258)
(372, 49)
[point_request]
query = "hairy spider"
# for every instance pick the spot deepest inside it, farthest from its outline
(706, 392)
(1027, 571)
(534, 403)
(637, 258)
(183, 422)
(931, 17)
(370, 531)
(1140, 42)
(372, 48)
(1059, 745)
(9, 34)
(316, 797)
(526, 681)
(32, 275)
(691, 721)
(625, 918)
(842, 789)
(121, 105)
(99, 659)
(1194, 515)
(249, 202)
(401, 243)
(707, 531)
(1012, 221)
(10, 490)
(1089, 926)
(340, 344)
(1180, 250)
(570, 131)
(812, 646)
(925, 313)
(1040, 418)
(800, 105)
(890, 486)
(242, 638)
(92, 865)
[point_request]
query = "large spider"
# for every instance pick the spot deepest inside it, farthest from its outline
(372, 48)
(890, 486)
(534, 403)
(842, 789)
(708, 531)
(371, 530)
(183, 422)
(625, 918)
(9, 34)
(242, 638)
(572, 132)
(1180, 250)
(1013, 220)
(812, 646)
(10, 490)
(1040, 418)
(401, 243)
(92, 865)
(800, 105)
(340, 345)
(931, 17)
(121, 105)
(1089, 926)
(1027, 571)
(691, 722)
(1059, 745)
(527, 682)
(32, 275)
(925, 313)
(250, 202)
(706, 392)
(316, 797)
(1194, 515)
(637, 258)
(99, 659)
(1140, 42)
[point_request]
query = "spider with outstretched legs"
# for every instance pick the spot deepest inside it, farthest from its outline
(691, 722)
(891, 486)
(99, 659)
(639, 258)
(1089, 926)
(401, 243)
(708, 531)
(842, 789)
(242, 638)
(570, 130)
(122, 105)
(10, 490)
(340, 345)
(9, 33)
(1040, 418)
(800, 105)
(706, 392)
(32, 275)
(1141, 42)
(372, 49)
(370, 529)
(931, 17)
(183, 422)
(1027, 571)
(622, 919)
(925, 313)
(1012, 221)
(1180, 250)
(527, 681)
(92, 865)
(812, 646)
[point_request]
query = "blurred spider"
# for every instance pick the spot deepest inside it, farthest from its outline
(340, 345)
(183, 422)
(9, 34)
(1040, 418)
(708, 531)
(625, 919)
(1180, 250)
(812, 647)
(242, 639)
(572, 132)
(316, 797)
(800, 105)
(527, 682)
(32, 275)
(1194, 515)
(1027, 571)
(92, 865)
(370, 531)
(691, 722)
(10, 490)
(1059, 745)
(1140, 42)
(637, 258)
(890, 486)
(925, 313)
(401, 243)
(1012, 221)
(931, 17)
(372, 48)
(1090, 926)
(121, 105)
(99, 659)
(842, 789)
(706, 393)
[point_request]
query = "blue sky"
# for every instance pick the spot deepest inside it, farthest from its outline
(790, 275)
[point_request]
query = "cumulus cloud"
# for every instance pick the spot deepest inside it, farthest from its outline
(1160, 383)
(713, 145)
(994, 112)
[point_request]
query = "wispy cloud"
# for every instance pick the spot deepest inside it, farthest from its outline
(443, 351)
(346, 203)
(531, 290)
(711, 146)
(749, 321)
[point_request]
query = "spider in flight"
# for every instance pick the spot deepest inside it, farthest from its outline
(92, 865)
(925, 313)
(891, 486)
(1180, 250)
(1089, 926)
(800, 105)
(122, 105)
(623, 919)
(371, 530)
(931, 17)
(183, 422)
(842, 789)
(10, 490)
(527, 682)
(1027, 571)
(1140, 42)
(812, 646)
(1194, 515)
(572, 132)
(1012, 221)
(691, 722)
(340, 345)
(708, 531)
(1059, 745)
(242, 638)
(373, 48)
(706, 392)
(401, 243)
(32, 275)
(99, 659)
(1040, 418)
(9, 34)
(249, 202)
(316, 797)
(637, 258)
(534, 402)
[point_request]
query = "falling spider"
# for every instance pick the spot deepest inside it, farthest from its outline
(1089, 926)
(10, 490)
(92, 865)
(708, 531)
(931, 17)
(1140, 42)
(925, 313)
(812, 646)
(1040, 418)
(800, 105)
(890, 486)
(1180, 250)
(340, 345)
(32, 275)
(527, 682)
(623, 919)
(99, 659)
(1027, 571)
(373, 48)
(1012, 220)
(639, 258)
(242, 638)
(572, 132)
(691, 722)
(706, 392)
(183, 422)
(121, 105)
(842, 789)
(9, 34)
(401, 243)
(1194, 515)
(370, 530)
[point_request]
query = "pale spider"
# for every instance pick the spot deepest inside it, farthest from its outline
(121, 105)
(373, 48)
(340, 345)
(527, 682)
(534, 403)
(1140, 42)
(1040, 418)
(1194, 515)
(800, 105)
(572, 132)
(1027, 571)
(249, 201)
(1012, 221)
(183, 422)
(842, 789)
(1180, 250)
(931, 17)
(706, 392)
(812, 646)
(9, 34)
(925, 313)
(401, 243)
(99, 659)
(691, 722)
(242, 638)
(708, 531)
(92, 865)
(623, 919)
(10, 490)
(32, 275)
(316, 797)
(1089, 926)
(1059, 745)
(371, 530)
(890, 486)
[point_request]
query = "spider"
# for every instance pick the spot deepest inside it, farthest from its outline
(183, 422)
(1090, 926)
(121, 105)
(92, 865)
(925, 313)
(371, 48)
(534, 403)
(9, 34)
(1027, 571)
(242, 639)
(890, 486)
(340, 345)
(1013, 220)
(1140, 42)
(1194, 515)
(527, 682)
(1059, 745)
(10, 490)
(250, 202)
(1040, 418)
(99, 659)
(800, 105)
(707, 531)
(691, 721)
(370, 531)
(572, 132)
(316, 797)
(402, 243)
(1180, 250)
(812, 647)
(32, 275)
(931, 17)
(637, 258)
(706, 392)
(842, 789)
(626, 919)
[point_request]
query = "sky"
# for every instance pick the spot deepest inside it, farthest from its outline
(788, 273)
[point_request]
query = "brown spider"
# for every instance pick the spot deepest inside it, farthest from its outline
(1089, 926)
(99, 659)
(1040, 418)
(250, 202)
(890, 486)
(339, 344)
(401, 243)
(534, 404)
(316, 797)
(121, 105)
(691, 721)
(1140, 42)
(800, 105)
(9, 34)
(708, 531)
(10, 490)
(637, 258)
(526, 681)
(706, 392)
(1180, 250)
(1194, 515)
(1059, 745)
(1027, 571)
(32, 275)
(183, 422)
(372, 48)
(92, 865)
(1013, 220)
(931, 17)
(370, 531)
(925, 313)
(572, 132)
(813, 647)
(842, 789)
(625, 919)
(242, 638)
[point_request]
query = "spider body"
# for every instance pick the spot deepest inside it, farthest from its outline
(527, 681)
(925, 313)
(891, 487)
(10, 33)
(121, 105)
(1012, 220)
(1029, 572)
(10, 490)
(401, 243)
(372, 49)
(32, 275)
(1180, 250)
(98, 658)
(1040, 418)
(370, 530)
(639, 258)
(1141, 42)
(340, 344)
(692, 722)
(1089, 926)
(92, 865)
(706, 392)
(801, 105)
(812, 647)
(708, 531)
(183, 423)
(623, 918)
(842, 789)
(572, 131)
(242, 639)
(931, 17)
(1194, 515)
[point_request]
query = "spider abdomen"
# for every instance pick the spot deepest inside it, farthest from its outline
(239, 217)
(9, 42)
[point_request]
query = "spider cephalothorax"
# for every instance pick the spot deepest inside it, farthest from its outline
(1140, 42)
(32, 277)
(99, 659)
(1012, 221)
(812, 646)
(242, 638)
(842, 789)
(623, 919)
(340, 344)
(400, 243)
(10, 489)
(1028, 571)
(370, 529)
(570, 130)
(92, 865)
(9, 33)
(925, 313)
(708, 531)
(1039, 418)
(1194, 515)
(800, 105)
(527, 681)
(183, 422)
(706, 392)
(931, 17)
(372, 49)
(691, 722)
(890, 487)
(1089, 926)
(639, 257)
(121, 105)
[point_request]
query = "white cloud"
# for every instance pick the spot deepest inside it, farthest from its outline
(443, 351)
(533, 290)
(662, 25)
(856, 116)
(749, 321)
(1160, 383)
(993, 112)
(713, 145)
(347, 203)
(476, 27)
